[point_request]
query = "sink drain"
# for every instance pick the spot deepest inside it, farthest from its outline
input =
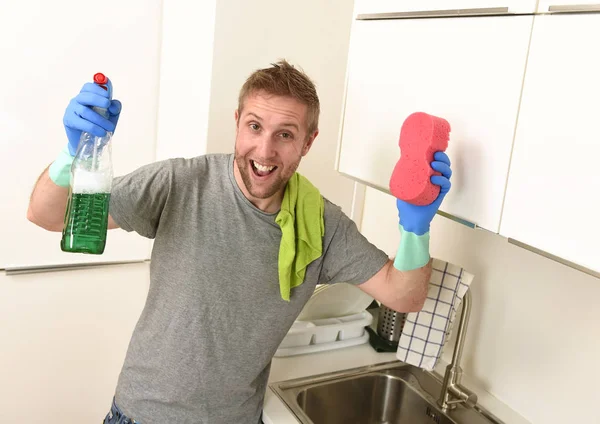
(433, 415)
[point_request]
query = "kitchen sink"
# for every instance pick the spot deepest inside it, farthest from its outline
(390, 393)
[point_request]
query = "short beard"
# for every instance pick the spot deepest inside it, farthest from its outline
(243, 164)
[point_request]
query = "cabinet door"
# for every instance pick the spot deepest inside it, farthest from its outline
(552, 195)
(45, 72)
(482, 6)
(565, 6)
(466, 70)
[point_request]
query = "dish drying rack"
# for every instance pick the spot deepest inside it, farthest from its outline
(325, 334)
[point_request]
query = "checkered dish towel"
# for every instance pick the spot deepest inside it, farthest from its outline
(425, 332)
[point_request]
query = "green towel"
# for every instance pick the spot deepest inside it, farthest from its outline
(302, 229)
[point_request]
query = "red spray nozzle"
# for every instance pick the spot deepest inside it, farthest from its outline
(101, 80)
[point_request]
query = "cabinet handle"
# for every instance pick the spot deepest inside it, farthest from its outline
(66, 267)
(574, 8)
(486, 11)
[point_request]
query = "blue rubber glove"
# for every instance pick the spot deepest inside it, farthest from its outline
(80, 115)
(416, 219)
(413, 251)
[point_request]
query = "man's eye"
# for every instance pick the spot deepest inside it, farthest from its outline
(286, 135)
(254, 127)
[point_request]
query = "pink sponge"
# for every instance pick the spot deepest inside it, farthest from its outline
(420, 137)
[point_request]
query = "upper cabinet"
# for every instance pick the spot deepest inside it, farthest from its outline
(468, 71)
(552, 198)
(65, 52)
(445, 6)
(567, 6)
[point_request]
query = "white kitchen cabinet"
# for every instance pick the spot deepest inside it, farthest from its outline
(482, 6)
(466, 70)
(552, 199)
(52, 52)
(565, 6)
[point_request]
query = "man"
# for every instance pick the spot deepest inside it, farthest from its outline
(222, 296)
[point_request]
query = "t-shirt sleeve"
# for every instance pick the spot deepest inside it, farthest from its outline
(138, 199)
(350, 257)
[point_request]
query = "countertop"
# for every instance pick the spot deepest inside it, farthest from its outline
(286, 368)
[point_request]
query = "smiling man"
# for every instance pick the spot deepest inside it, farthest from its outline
(240, 242)
(272, 135)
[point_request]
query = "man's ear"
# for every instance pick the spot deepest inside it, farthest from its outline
(309, 142)
(236, 116)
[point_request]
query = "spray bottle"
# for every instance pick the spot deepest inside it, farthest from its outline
(86, 217)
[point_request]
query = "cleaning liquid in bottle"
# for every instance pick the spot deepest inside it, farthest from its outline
(86, 217)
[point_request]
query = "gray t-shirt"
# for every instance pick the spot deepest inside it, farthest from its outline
(214, 317)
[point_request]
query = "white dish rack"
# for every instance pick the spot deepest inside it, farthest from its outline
(325, 334)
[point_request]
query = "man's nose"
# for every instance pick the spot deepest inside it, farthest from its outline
(266, 147)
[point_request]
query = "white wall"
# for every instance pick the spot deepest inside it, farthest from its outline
(185, 77)
(313, 35)
(63, 341)
(532, 340)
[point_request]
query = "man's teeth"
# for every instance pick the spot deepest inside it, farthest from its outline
(262, 168)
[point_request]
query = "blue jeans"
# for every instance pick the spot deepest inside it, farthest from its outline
(116, 416)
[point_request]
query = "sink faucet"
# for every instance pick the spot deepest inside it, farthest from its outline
(452, 391)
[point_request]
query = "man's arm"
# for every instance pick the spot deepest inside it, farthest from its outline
(48, 203)
(403, 284)
(402, 291)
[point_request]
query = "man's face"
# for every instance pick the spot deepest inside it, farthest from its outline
(271, 138)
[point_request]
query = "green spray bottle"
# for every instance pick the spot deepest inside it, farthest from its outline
(86, 216)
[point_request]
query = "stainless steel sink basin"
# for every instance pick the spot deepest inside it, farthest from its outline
(391, 393)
